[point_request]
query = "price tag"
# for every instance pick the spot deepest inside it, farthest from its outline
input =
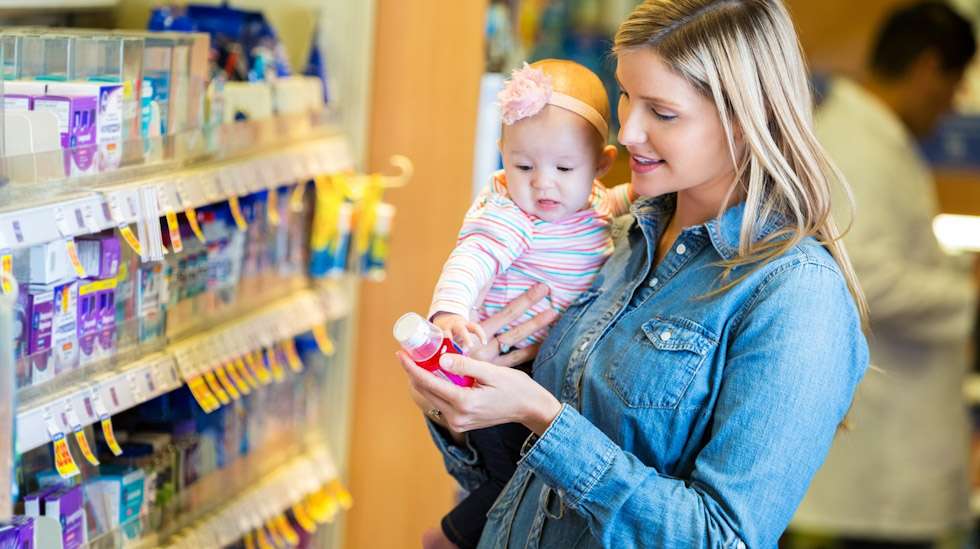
(6, 272)
(135, 391)
(204, 397)
(130, 237)
(278, 373)
(191, 215)
(257, 365)
(107, 431)
(262, 537)
(80, 221)
(303, 518)
(323, 341)
(286, 530)
(64, 463)
(297, 197)
(273, 532)
(89, 217)
(250, 540)
(73, 258)
(61, 221)
(215, 386)
(80, 438)
(292, 355)
(226, 382)
(273, 205)
(235, 374)
(243, 372)
(236, 213)
(341, 494)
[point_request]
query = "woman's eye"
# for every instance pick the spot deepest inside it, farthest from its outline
(665, 117)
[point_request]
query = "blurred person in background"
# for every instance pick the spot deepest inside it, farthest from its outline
(898, 477)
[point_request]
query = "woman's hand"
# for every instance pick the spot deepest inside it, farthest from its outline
(499, 395)
(496, 349)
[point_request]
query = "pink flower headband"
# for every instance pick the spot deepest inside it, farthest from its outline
(530, 89)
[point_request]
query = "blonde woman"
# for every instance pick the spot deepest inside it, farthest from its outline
(687, 399)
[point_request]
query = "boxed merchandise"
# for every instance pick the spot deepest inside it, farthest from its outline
(107, 117)
(106, 321)
(76, 116)
(34, 502)
(64, 327)
(39, 313)
(65, 505)
(43, 264)
(19, 94)
(88, 319)
(18, 533)
(100, 255)
(149, 290)
(113, 499)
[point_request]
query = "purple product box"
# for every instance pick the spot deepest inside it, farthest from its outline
(106, 321)
(64, 327)
(66, 505)
(33, 502)
(18, 533)
(39, 313)
(87, 323)
(76, 117)
(100, 255)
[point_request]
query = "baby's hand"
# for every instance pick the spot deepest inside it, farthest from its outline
(460, 330)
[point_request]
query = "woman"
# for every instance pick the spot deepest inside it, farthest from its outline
(688, 399)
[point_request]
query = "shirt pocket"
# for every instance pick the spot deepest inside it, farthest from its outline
(660, 363)
(569, 320)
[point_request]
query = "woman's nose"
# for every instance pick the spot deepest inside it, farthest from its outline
(631, 131)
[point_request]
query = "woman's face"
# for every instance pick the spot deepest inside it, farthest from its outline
(673, 133)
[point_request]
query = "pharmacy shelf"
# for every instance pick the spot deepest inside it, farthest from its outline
(119, 390)
(273, 495)
(28, 221)
(149, 377)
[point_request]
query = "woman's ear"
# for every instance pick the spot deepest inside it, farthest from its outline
(606, 159)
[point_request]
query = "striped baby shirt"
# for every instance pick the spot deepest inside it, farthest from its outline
(502, 251)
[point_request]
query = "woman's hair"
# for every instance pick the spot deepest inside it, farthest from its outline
(744, 55)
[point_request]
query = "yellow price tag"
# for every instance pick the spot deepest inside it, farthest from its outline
(204, 397)
(73, 258)
(191, 215)
(216, 389)
(341, 494)
(110, 436)
(244, 372)
(263, 538)
(63, 462)
(83, 445)
(236, 213)
(226, 383)
(292, 356)
(323, 340)
(7, 273)
(130, 237)
(297, 197)
(273, 533)
(250, 540)
(303, 518)
(278, 373)
(237, 379)
(173, 229)
(286, 530)
(255, 363)
(273, 203)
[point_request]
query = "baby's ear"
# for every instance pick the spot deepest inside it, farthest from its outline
(606, 159)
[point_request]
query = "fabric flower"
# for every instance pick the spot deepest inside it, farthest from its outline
(525, 94)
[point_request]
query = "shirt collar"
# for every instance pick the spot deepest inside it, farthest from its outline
(725, 231)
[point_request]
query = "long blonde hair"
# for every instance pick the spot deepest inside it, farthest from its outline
(745, 56)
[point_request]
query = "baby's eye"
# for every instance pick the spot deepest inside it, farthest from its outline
(564, 169)
(523, 167)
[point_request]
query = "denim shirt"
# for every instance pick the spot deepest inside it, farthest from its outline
(689, 418)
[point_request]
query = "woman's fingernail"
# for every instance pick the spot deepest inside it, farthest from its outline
(446, 361)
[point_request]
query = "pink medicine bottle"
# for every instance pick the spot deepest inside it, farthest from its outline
(425, 343)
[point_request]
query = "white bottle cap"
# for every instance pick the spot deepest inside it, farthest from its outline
(411, 330)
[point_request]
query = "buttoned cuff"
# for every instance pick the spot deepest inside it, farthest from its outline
(571, 456)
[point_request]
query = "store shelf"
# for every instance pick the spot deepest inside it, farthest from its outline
(271, 496)
(119, 390)
(28, 219)
(56, 4)
(147, 378)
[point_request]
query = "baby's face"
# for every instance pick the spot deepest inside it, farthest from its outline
(550, 160)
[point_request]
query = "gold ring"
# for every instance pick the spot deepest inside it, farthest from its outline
(434, 413)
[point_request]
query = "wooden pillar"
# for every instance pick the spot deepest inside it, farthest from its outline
(427, 64)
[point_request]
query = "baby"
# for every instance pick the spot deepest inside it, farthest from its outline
(543, 218)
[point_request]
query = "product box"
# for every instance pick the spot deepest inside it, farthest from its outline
(100, 255)
(17, 533)
(148, 301)
(43, 264)
(34, 502)
(76, 117)
(39, 312)
(114, 499)
(13, 102)
(108, 116)
(64, 327)
(88, 323)
(106, 321)
(66, 506)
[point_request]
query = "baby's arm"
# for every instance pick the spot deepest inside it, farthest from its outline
(619, 198)
(495, 232)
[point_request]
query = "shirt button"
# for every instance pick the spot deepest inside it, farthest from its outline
(665, 335)
(681, 249)
(653, 282)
